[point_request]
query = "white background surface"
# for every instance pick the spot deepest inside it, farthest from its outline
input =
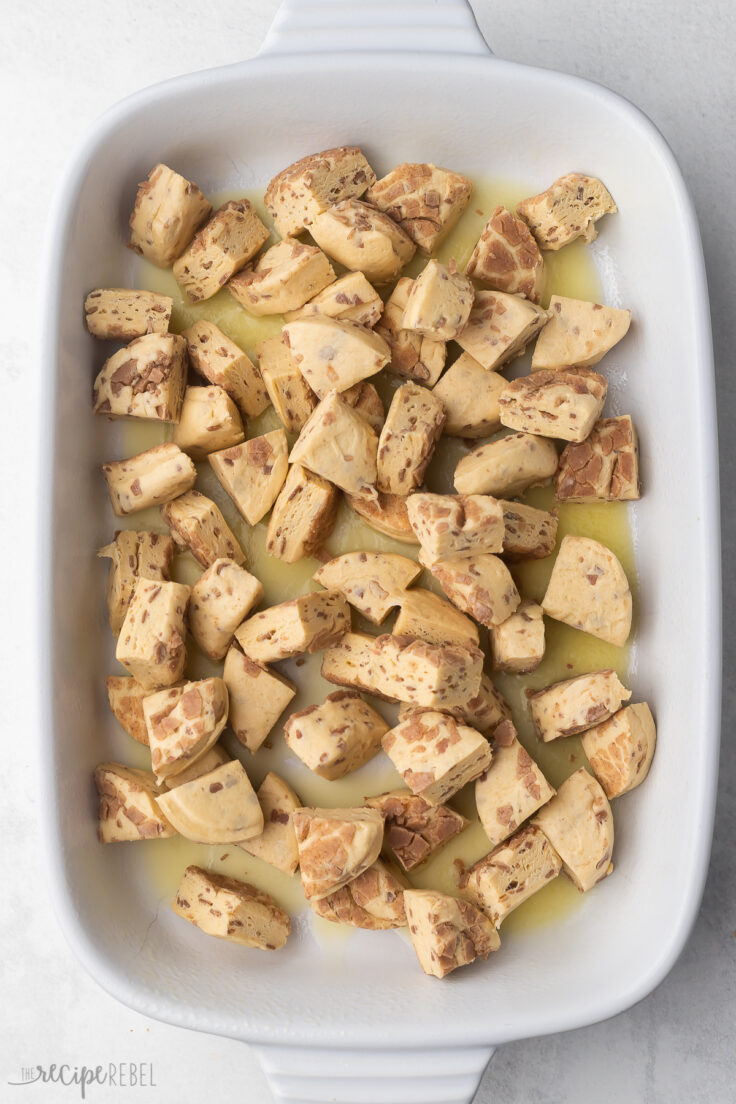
(60, 66)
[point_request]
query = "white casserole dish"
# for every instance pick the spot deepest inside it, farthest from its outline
(375, 1028)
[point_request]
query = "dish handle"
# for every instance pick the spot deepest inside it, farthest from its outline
(311, 1075)
(409, 26)
(308, 1075)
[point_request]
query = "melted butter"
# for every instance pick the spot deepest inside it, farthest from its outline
(166, 861)
(568, 651)
(569, 272)
(245, 329)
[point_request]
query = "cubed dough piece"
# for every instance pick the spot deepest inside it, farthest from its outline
(353, 662)
(125, 696)
(168, 211)
(219, 807)
(304, 624)
(148, 479)
(120, 314)
(223, 363)
(363, 240)
(365, 400)
(276, 844)
(332, 354)
(258, 697)
(412, 355)
(209, 421)
(435, 755)
(511, 874)
(230, 909)
(303, 515)
(567, 210)
(506, 467)
(146, 379)
(351, 299)
(216, 756)
(579, 824)
(197, 523)
(183, 723)
(437, 676)
(374, 900)
(569, 707)
(282, 279)
(220, 600)
(425, 615)
(470, 396)
(373, 582)
(456, 525)
(336, 737)
(412, 429)
(303, 190)
(588, 590)
(335, 846)
(511, 789)
(253, 473)
(386, 513)
(529, 533)
(399, 668)
(414, 829)
(439, 302)
(620, 750)
(134, 556)
(480, 586)
(485, 710)
(507, 258)
(151, 644)
(128, 807)
(292, 397)
(578, 334)
(338, 444)
(232, 236)
(604, 466)
(564, 404)
(499, 327)
(517, 644)
(447, 932)
(424, 199)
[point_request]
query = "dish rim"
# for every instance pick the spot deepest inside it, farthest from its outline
(352, 1034)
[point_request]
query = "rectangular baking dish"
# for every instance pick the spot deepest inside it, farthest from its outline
(405, 81)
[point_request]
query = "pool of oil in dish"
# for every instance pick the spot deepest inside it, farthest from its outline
(570, 272)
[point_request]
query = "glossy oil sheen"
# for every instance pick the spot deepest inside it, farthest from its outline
(235, 128)
(569, 272)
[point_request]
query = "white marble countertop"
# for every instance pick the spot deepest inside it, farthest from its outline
(60, 66)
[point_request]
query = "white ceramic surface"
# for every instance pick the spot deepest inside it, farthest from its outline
(626, 935)
(403, 26)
